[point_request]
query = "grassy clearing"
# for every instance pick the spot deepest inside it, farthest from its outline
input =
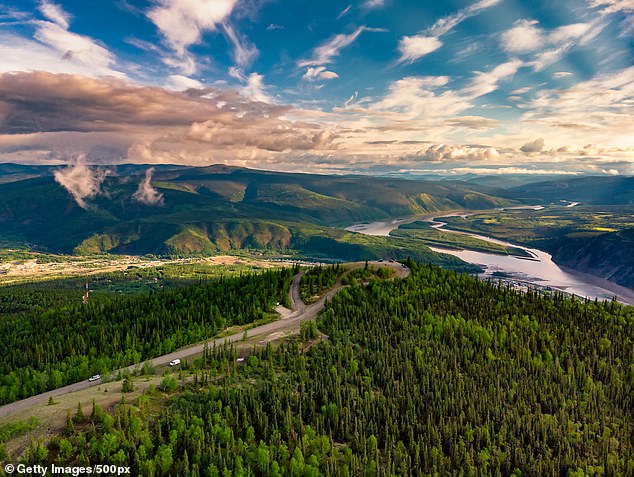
(125, 274)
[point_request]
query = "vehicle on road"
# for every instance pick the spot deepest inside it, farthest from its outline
(175, 362)
(96, 377)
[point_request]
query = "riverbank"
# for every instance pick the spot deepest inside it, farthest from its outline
(533, 266)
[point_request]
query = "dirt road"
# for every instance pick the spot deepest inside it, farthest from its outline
(300, 312)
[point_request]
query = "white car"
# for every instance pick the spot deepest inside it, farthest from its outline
(175, 362)
(96, 377)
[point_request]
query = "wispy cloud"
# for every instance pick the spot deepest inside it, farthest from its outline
(599, 109)
(319, 73)
(56, 48)
(255, 89)
(612, 6)
(81, 181)
(183, 22)
(182, 83)
(344, 12)
(546, 46)
(326, 53)
(373, 4)
(145, 193)
(244, 53)
(55, 13)
(448, 23)
(416, 46)
(329, 50)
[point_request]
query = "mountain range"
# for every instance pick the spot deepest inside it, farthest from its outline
(205, 210)
(180, 210)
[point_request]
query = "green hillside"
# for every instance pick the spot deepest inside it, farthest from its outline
(436, 374)
(215, 209)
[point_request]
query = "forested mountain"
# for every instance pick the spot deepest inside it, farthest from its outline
(437, 374)
(212, 209)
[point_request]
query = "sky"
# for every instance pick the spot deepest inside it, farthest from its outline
(368, 86)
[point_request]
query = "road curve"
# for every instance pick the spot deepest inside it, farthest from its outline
(301, 312)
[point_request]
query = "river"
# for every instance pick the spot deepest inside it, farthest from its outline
(538, 269)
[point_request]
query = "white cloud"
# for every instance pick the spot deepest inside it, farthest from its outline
(328, 51)
(526, 37)
(73, 47)
(485, 83)
(612, 6)
(523, 37)
(567, 33)
(243, 53)
(597, 110)
(562, 74)
(547, 47)
(80, 181)
(182, 23)
(372, 4)
(145, 193)
(56, 49)
(182, 83)
(417, 46)
(344, 12)
(448, 23)
(319, 73)
(417, 97)
(255, 89)
(55, 13)
(424, 98)
(446, 152)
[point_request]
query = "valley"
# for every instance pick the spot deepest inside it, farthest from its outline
(259, 216)
(203, 279)
(251, 238)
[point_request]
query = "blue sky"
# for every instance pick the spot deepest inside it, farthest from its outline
(488, 86)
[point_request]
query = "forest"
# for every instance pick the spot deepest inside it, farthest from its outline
(62, 341)
(317, 280)
(436, 374)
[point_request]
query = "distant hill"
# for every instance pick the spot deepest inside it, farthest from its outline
(218, 209)
(511, 181)
(618, 190)
(608, 255)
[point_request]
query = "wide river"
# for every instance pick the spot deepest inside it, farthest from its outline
(538, 270)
